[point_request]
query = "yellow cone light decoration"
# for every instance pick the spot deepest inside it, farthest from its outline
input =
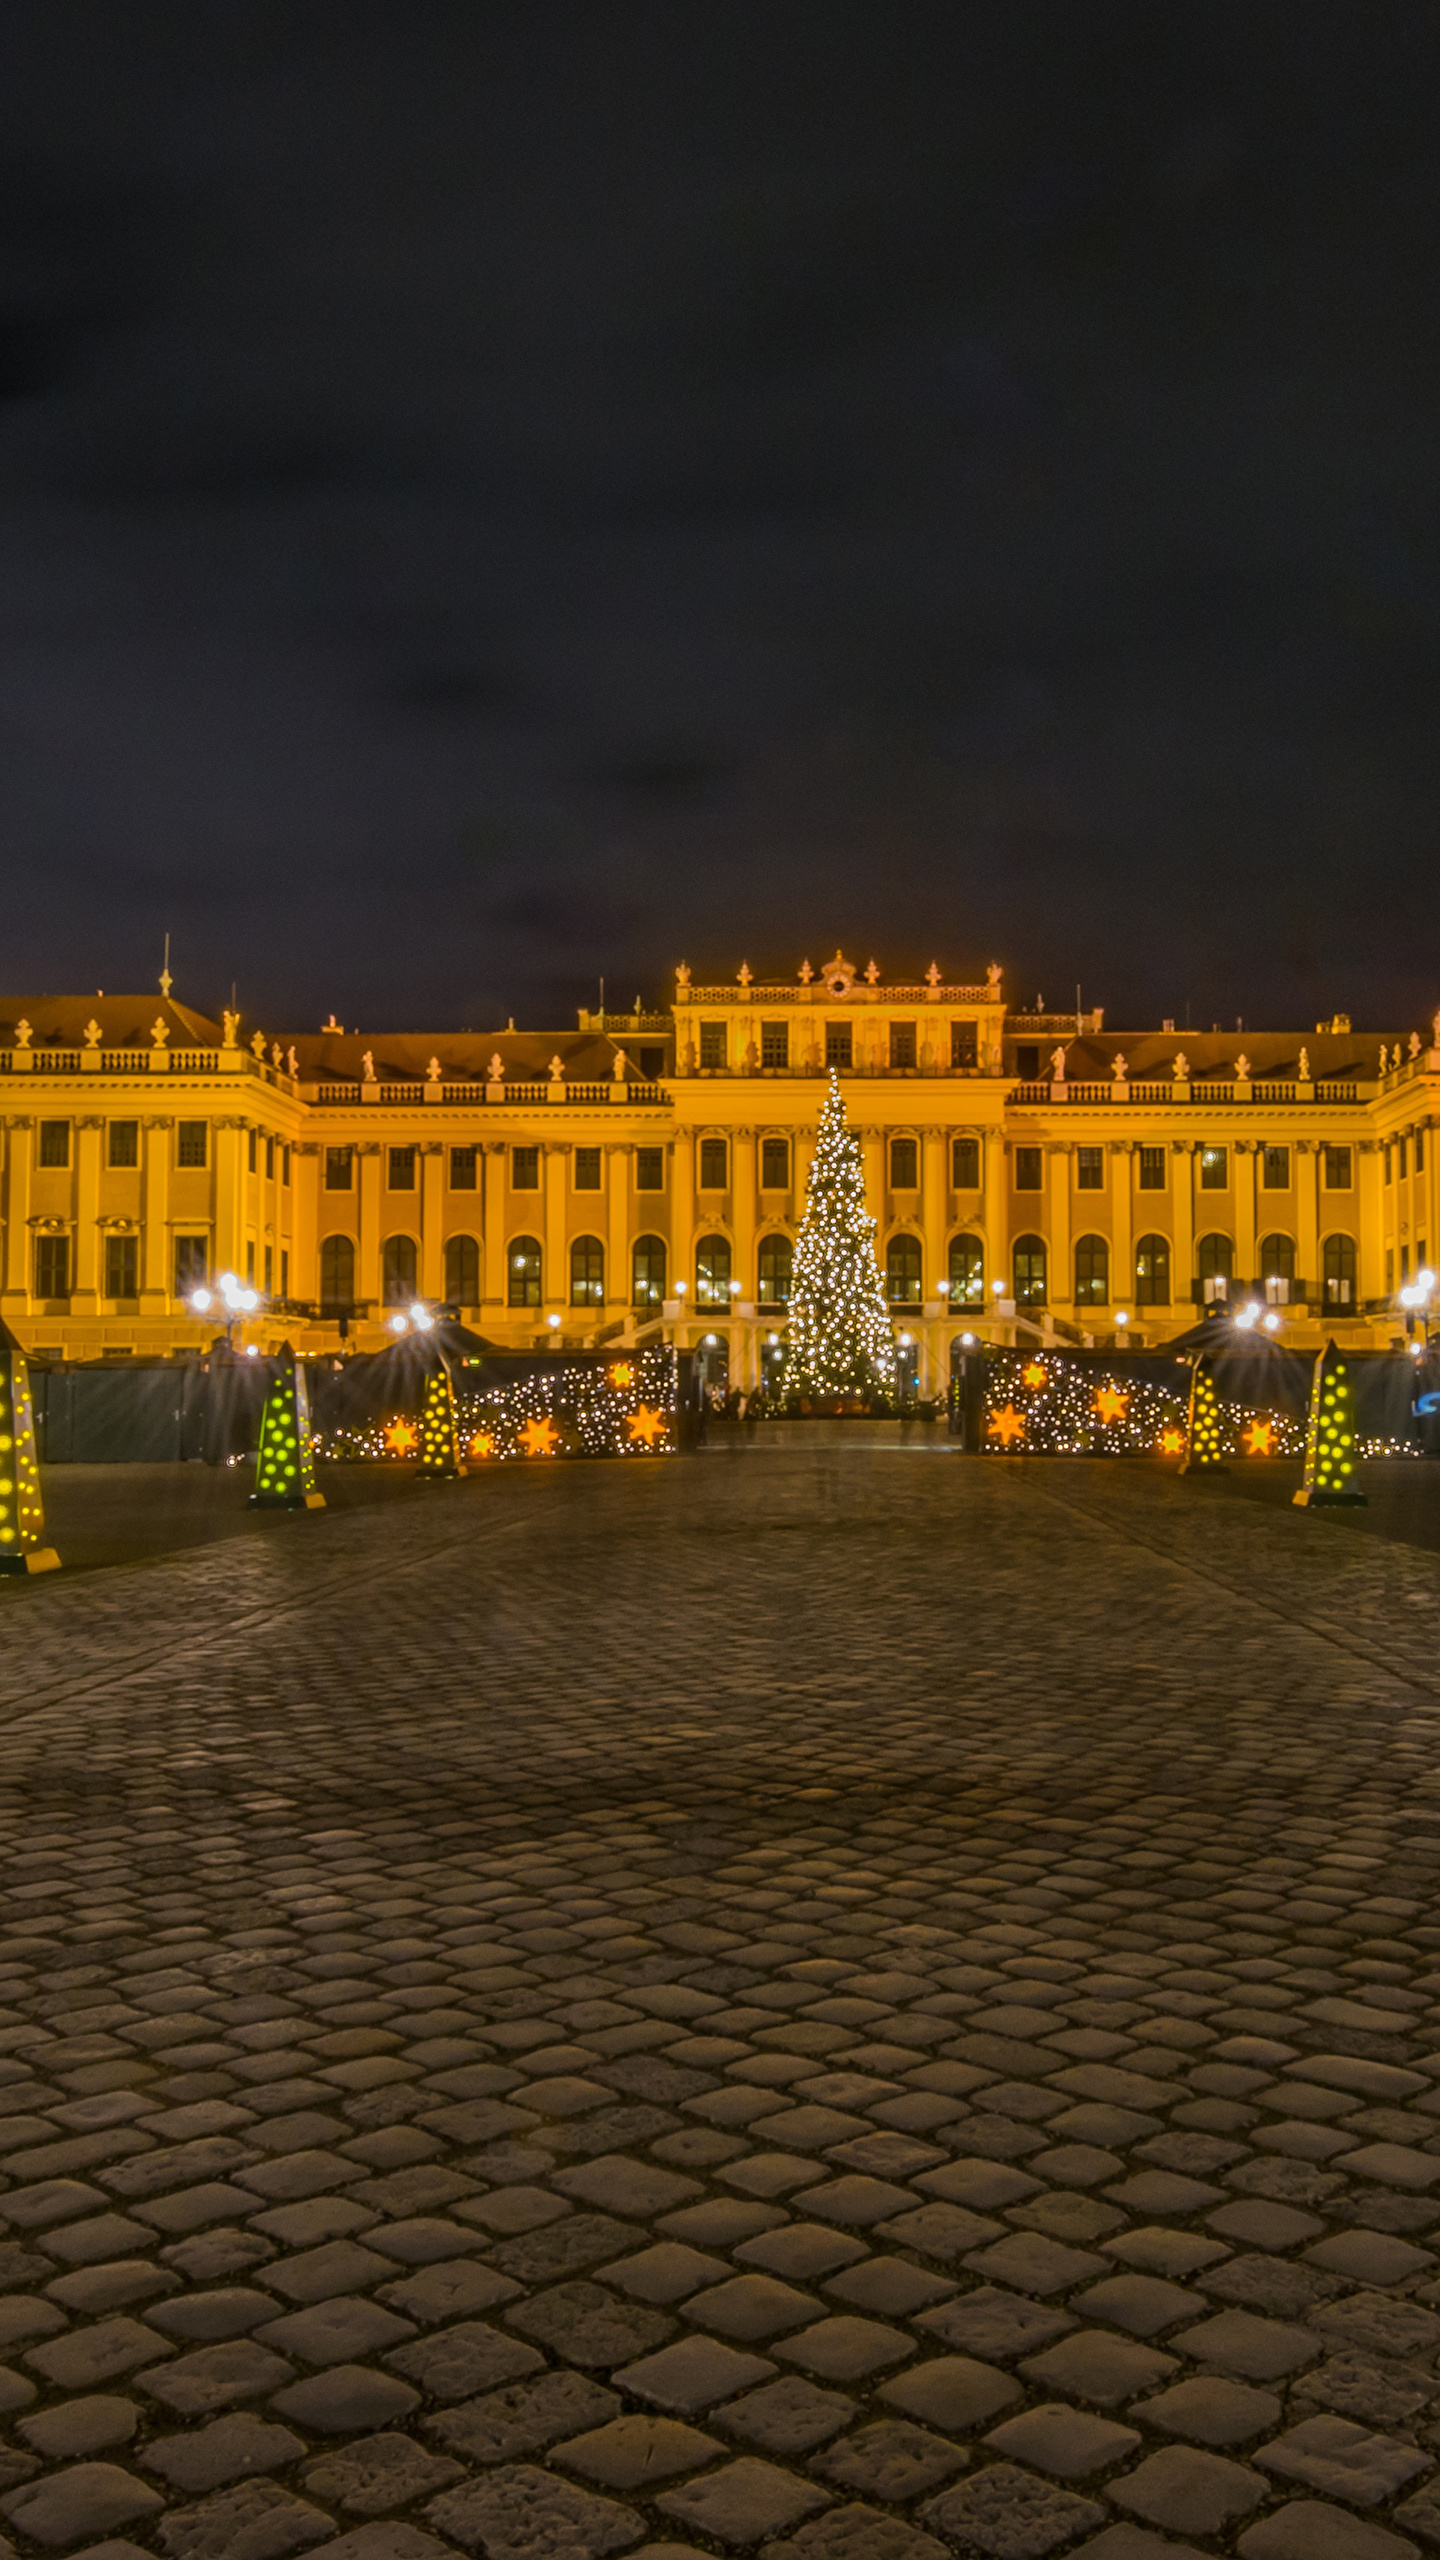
(439, 1436)
(285, 1468)
(22, 1514)
(1205, 1452)
(1330, 1462)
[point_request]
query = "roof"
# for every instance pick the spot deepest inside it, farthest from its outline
(125, 1021)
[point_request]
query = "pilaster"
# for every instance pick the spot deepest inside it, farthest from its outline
(1121, 1167)
(744, 1203)
(85, 1280)
(19, 1160)
(555, 1277)
(619, 1158)
(369, 1275)
(934, 1199)
(493, 1221)
(157, 1280)
(432, 1211)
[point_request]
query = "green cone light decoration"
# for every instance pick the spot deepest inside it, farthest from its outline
(840, 1339)
(1330, 1463)
(22, 1513)
(285, 1468)
(439, 1433)
(1205, 1429)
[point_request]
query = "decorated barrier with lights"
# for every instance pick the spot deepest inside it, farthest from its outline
(592, 1407)
(1222, 1409)
(285, 1462)
(22, 1513)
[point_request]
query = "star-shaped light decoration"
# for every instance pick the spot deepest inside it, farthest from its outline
(1035, 1374)
(1111, 1404)
(482, 1444)
(1260, 1438)
(622, 1374)
(647, 1425)
(1005, 1426)
(401, 1437)
(1172, 1443)
(539, 1439)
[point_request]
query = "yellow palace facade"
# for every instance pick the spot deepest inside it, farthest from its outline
(1032, 1176)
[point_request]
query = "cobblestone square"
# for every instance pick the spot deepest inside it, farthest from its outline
(824, 1999)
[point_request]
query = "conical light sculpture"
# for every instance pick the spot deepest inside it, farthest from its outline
(285, 1466)
(1331, 1465)
(22, 1512)
(439, 1433)
(1205, 1443)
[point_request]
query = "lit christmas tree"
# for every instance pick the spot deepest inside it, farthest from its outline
(1330, 1436)
(840, 1341)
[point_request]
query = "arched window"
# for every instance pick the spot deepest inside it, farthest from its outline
(1152, 1272)
(1029, 1271)
(400, 1280)
(1092, 1272)
(1277, 1269)
(712, 1272)
(777, 1263)
(523, 1263)
(587, 1272)
(337, 1274)
(1215, 1268)
(462, 1271)
(902, 1271)
(1338, 1267)
(648, 1271)
(967, 1271)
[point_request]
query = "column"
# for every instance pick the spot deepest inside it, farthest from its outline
(682, 1215)
(432, 1212)
(1182, 1227)
(85, 1279)
(1057, 1212)
(1372, 1240)
(1307, 1218)
(997, 1241)
(934, 1201)
(1247, 1161)
(19, 1150)
(304, 1219)
(1122, 1226)
(157, 1279)
(555, 1278)
(618, 1160)
(369, 1268)
(228, 1193)
(492, 1158)
(744, 1202)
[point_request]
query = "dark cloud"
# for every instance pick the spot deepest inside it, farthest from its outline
(489, 498)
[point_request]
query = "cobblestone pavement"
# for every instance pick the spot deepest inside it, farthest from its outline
(839, 2002)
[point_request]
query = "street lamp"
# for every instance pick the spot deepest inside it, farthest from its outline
(1415, 1298)
(412, 1319)
(236, 1302)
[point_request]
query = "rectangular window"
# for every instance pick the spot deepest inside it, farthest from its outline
(52, 1266)
(401, 1172)
(1404, 1157)
(840, 1046)
(121, 1255)
(1419, 1157)
(339, 1168)
(652, 1064)
(1389, 1269)
(774, 1044)
(192, 1261)
(774, 1164)
(712, 1045)
(252, 1148)
(1389, 1170)
(965, 1163)
(463, 1168)
(1214, 1168)
(1029, 1169)
(269, 1159)
(1089, 1168)
(714, 1164)
(649, 1168)
(55, 1149)
(124, 1147)
(1275, 1168)
(587, 1168)
(902, 1044)
(964, 1044)
(191, 1143)
(269, 1270)
(284, 1273)
(1027, 1061)
(1337, 1167)
(524, 1168)
(250, 1264)
(285, 1167)
(904, 1164)
(1152, 1168)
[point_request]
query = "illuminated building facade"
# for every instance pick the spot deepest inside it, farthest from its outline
(1032, 1175)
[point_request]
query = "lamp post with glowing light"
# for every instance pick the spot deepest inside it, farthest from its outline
(1416, 1298)
(236, 1302)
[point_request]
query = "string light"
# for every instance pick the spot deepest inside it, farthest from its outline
(22, 1513)
(285, 1465)
(1069, 1407)
(840, 1340)
(573, 1412)
(1330, 1435)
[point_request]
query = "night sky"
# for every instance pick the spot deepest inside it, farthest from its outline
(492, 495)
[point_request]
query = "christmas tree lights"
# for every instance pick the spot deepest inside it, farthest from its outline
(1205, 1431)
(285, 1465)
(439, 1434)
(1330, 1436)
(22, 1513)
(839, 1336)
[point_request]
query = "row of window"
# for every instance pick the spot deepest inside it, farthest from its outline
(1398, 1152)
(120, 1276)
(903, 1048)
(192, 1146)
(1337, 1168)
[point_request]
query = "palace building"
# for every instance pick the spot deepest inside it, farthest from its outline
(1032, 1176)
